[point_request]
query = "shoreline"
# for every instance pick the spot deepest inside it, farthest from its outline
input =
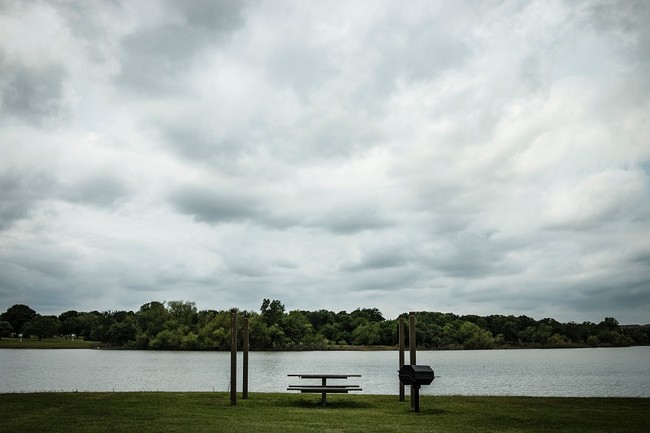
(61, 343)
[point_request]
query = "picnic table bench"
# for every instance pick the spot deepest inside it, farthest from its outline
(324, 388)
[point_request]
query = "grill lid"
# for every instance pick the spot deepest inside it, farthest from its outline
(416, 375)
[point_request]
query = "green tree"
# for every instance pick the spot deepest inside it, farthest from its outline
(166, 339)
(68, 314)
(524, 322)
(184, 313)
(557, 340)
(366, 334)
(70, 323)
(592, 341)
(43, 326)
(542, 333)
(319, 318)
(609, 324)
(388, 332)
(575, 332)
(259, 335)
(92, 326)
(556, 327)
(18, 315)
(331, 331)
(613, 338)
(5, 329)
(272, 311)
(151, 319)
(278, 338)
(296, 327)
(368, 314)
(475, 337)
(120, 333)
(640, 335)
(190, 342)
(526, 335)
(346, 324)
(214, 330)
(504, 325)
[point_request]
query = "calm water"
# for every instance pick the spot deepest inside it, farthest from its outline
(550, 372)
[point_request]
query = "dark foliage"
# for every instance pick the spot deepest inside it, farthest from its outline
(178, 325)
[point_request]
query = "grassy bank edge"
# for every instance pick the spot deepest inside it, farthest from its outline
(47, 343)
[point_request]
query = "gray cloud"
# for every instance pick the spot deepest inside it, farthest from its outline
(25, 191)
(383, 257)
(215, 206)
(347, 218)
(20, 194)
(34, 271)
(201, 144)
(155, 56)
(101, 190)
(219, 204)
(32, 94)
(623, 23)
(483, 157)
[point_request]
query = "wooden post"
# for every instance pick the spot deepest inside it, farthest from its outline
(244, 394)
(400, 331)
(412, 360)
(233, 357)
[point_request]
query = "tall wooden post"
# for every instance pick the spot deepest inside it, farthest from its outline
(244, 394)
(400, 332)
(412, 360)
(233, 357)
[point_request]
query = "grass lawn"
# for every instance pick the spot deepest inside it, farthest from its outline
(46, 343)
(268, 413)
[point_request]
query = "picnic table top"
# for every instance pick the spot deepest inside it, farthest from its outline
(323, 376)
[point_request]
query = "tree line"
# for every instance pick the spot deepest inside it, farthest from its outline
(178, 325)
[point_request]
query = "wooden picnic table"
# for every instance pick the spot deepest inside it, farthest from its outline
(324, 388)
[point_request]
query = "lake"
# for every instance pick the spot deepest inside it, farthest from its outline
(601, 372)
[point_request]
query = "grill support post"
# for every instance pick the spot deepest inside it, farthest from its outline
(412, 360)
(416, 397)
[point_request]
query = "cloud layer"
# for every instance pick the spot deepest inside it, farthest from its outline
(484, 157)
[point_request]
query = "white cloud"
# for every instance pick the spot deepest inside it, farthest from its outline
(611, 195)
(482, 157)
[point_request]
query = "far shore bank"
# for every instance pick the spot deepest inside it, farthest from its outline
(78, 343)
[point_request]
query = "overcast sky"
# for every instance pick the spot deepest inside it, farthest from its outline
(474, 157)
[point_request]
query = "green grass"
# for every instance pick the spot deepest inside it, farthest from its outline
(268, 413)
(46, 343)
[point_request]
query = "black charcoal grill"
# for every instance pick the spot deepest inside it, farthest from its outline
(415, 376)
